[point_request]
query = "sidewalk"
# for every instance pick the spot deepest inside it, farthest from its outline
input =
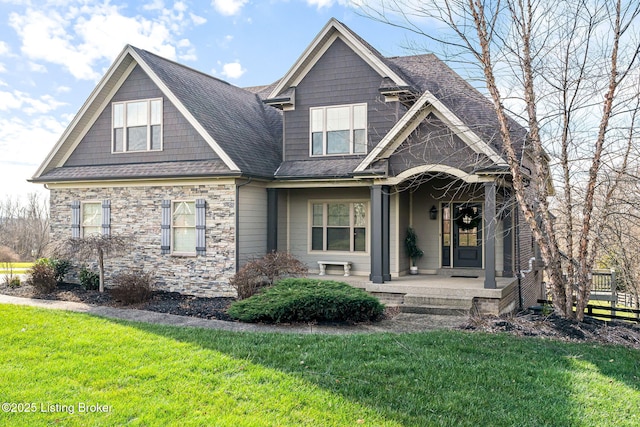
(403, 322)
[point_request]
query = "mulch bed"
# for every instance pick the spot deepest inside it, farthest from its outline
(160, 302)
(523, 324)
(558, 328)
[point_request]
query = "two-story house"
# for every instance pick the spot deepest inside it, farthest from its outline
(331, 163)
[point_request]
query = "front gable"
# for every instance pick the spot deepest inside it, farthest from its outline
(180, 141)
(340, 77)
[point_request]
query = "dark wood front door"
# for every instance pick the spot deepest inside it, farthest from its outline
(467, 235)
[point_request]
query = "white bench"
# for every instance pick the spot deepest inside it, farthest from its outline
(345, 264)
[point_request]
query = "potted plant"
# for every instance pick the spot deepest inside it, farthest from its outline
(414, 252)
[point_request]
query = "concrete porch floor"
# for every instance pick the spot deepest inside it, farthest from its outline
(428, 284)
(438, 294)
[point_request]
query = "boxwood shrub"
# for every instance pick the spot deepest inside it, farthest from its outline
(308, 300)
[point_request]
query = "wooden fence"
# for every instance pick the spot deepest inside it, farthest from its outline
(620, 304)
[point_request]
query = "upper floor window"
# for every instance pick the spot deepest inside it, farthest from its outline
(339, 129)
(137, 125)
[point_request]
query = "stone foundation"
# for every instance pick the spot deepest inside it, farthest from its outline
(136, 212)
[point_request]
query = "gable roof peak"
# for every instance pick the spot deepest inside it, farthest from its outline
(319, 45)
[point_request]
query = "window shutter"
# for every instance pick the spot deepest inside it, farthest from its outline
(200, 226)
(75, 219)
(165, 236)
(106, 217)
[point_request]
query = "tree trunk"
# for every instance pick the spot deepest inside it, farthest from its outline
(101, 268)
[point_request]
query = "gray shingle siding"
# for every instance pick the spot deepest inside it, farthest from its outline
(434, 143)
(339, 77)
(180, 140)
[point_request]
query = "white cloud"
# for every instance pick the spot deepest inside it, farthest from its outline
(63, 89)
(37, 68)
(4, 48)
(229, 7)
(2, 68)
(19, 140)
(328, 3)
(17, 100)
(154, 5)
(84, 39)
(197, 20)
(233, 70)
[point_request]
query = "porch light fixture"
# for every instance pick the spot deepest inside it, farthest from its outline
(433, 212)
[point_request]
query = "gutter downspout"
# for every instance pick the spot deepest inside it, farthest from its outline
(238, 222)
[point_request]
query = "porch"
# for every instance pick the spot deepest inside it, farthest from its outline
(440, 294)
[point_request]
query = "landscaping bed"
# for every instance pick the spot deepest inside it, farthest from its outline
(524, 324)
(160, 302)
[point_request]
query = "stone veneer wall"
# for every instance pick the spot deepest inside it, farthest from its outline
(136, 211)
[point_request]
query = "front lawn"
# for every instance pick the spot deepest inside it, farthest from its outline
(58, 362)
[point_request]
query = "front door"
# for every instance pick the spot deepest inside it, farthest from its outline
(467, 235)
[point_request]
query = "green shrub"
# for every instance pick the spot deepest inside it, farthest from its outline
(132, 288)
(307, 300)
(12, 281)
(61, 267)
(264, 272)
(42, 276)
(88, 279)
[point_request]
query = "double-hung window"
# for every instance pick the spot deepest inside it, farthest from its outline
(137, 126)
(340, 129)
(183, 225)
(339, 226)
(91, 218)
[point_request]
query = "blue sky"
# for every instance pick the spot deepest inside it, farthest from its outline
(53, 53)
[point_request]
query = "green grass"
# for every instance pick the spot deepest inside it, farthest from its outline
(158, 375)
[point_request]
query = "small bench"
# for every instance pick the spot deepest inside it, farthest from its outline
(345, 264)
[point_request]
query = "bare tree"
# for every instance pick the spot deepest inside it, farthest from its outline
(568, 70)
(24, 227)
(95, 247)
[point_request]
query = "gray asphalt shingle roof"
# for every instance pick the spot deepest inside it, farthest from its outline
(428, 72)
(249, 132)
(197, 168)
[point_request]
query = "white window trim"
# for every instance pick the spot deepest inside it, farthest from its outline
(82, 227)
(124, 126)
(324, 129)
(310, 226)
(171, 239)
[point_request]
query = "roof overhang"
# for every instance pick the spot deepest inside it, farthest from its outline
(425, 105)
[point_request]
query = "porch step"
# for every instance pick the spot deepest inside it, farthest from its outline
(418, 300)
(450, 306)
(441, 310)
(390, 299)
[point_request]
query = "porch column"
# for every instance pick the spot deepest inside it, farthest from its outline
(272, 220)
(507, 239)
(386, 271)
(378, 250)
(490, 235)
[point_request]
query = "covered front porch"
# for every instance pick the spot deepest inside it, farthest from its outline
(464, 227)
